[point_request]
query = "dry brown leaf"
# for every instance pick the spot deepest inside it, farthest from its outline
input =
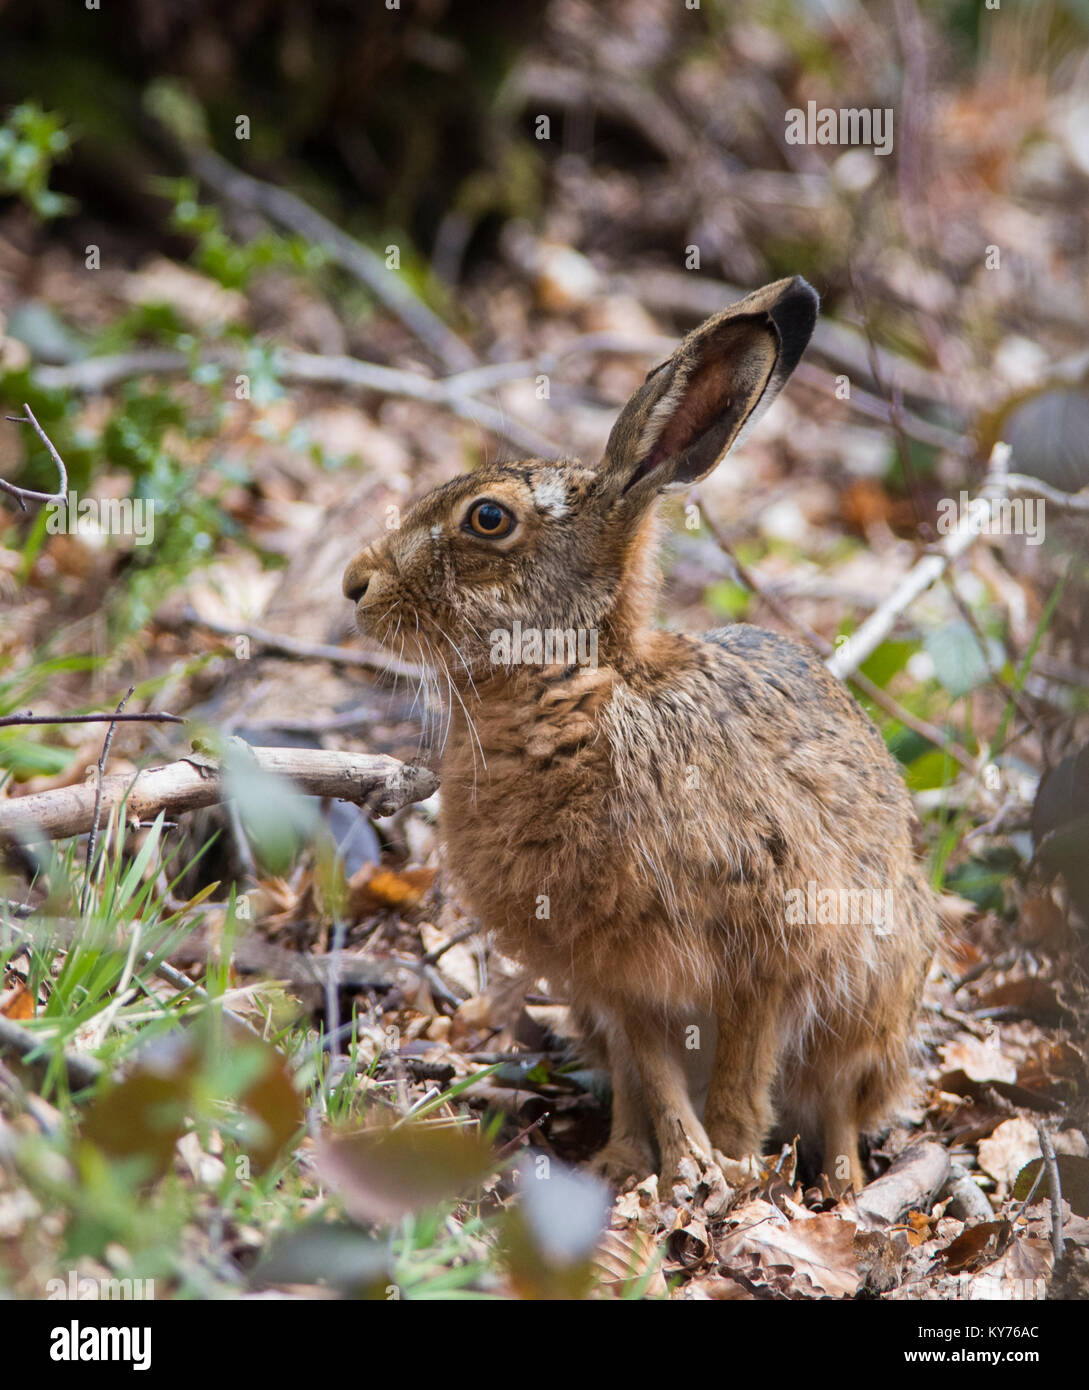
(1019, 1275)
(979, 1061)
(373, 888)
(19, 1004)
(1043, 923)
(623, 1256)
(974, 1242)
(1013, 1144)
(817, 1252)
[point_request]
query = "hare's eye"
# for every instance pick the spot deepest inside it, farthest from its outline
(490, 519)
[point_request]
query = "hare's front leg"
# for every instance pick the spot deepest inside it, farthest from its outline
(665, 1093)
(629, 1150)
(739, 1110)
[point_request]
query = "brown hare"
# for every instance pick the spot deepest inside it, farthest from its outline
(702, 842)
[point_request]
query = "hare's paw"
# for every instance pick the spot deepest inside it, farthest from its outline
(684, 1161)
(621, 1159)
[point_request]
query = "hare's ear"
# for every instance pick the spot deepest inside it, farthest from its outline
(693, 408)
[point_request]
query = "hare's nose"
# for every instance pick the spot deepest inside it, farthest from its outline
(356, 578)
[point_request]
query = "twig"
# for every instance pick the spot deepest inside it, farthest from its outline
(381, 784)
(350, 371)
(1054, 1191)
(370, 269)
(863, 402)
(309, 651)
(97, 374)
(463, 934)
(92, 839)
(848, 657)
(514, 1144)
(82, 1071)
(24, 495)
(873, 692)
(1075, 502)
(153, 717)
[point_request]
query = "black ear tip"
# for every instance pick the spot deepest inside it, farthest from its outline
(794, 314)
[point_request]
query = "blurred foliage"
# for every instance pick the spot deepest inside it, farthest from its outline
(31, 141)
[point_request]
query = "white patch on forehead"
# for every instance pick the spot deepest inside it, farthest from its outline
(436, 533)
(550, 495)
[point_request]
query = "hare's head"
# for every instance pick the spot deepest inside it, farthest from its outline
(569, 545)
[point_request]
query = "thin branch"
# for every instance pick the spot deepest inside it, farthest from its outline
(381, 784)
(309, 651)
(92, 839)
(1076, 502)
(862, 644)
(370, 269)
(23, 495)
(82, 1070)
(152, 717)
(96, 374)
(1054, 1191)
(873, 692)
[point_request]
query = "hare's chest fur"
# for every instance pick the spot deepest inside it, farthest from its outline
(587, 825)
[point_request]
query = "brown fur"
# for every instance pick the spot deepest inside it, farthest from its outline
(632, 831)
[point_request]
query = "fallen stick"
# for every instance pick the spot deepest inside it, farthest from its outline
(911, 1184)
(96, 374)
(850, 655)
(82, 1070)
(380, 784)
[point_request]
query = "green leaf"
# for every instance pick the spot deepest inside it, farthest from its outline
(959, 661)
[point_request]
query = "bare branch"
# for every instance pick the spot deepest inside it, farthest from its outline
(848, 657)
(371, 270)
(23, 495)
(873, 692)
(309, 651)
(154, 717)
(1054, 1191)
(15, 1037)
(1076, 502)
(381, 784)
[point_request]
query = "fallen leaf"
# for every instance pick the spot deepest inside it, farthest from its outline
(979, 1061)
(974, 1243)
(382, 1173)
(1020, 1275)
(19, 1004)
(818, 1251)
(626, 1257)
(1073, 1182)
(1013, 1144)
(372, 888)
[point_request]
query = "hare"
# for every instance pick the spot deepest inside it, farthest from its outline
(702, 841)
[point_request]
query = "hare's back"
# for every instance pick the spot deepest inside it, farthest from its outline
(781, 693)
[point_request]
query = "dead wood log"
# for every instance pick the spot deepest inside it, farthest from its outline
(378, 783)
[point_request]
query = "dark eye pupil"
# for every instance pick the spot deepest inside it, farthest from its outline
(489, 517)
